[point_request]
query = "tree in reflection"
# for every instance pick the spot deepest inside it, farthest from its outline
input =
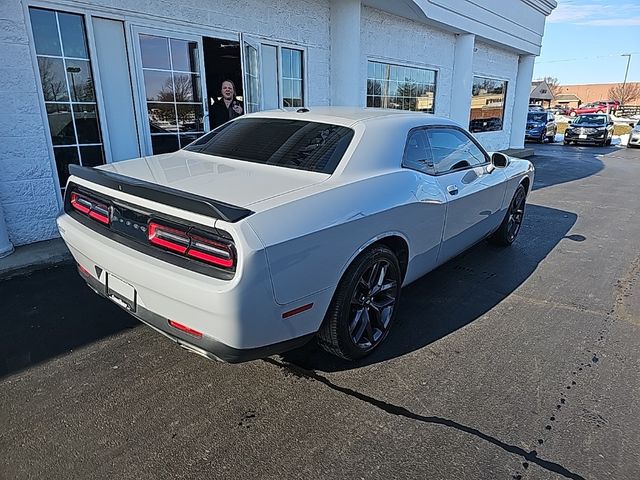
(53, 87)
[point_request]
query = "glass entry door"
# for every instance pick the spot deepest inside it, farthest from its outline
(251, 60)
(172, 86)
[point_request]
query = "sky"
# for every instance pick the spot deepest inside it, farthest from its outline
(584, 39)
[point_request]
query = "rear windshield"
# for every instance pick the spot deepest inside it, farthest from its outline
(591, 119)
(311, 146)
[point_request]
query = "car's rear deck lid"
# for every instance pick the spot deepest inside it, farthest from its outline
(161, 194)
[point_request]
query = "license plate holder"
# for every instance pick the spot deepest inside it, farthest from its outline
(121, 293)
(582, 136)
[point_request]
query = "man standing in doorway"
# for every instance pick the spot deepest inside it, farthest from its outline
(228, 107)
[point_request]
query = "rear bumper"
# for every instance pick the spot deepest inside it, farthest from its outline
(206, 345)
(239, 318)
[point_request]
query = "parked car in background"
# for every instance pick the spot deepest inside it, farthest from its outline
(541, 125)
(608, 106)
(634, 137)
(560, 110)
(590, 128)
(280, 226)
(536, 108)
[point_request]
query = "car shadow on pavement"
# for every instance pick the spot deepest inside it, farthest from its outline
(457, 293)
(575, 163)
(51, 312)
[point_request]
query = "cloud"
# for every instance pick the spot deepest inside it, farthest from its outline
(595, 13)
(612, 22)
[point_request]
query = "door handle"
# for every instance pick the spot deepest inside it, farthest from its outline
(452, 189)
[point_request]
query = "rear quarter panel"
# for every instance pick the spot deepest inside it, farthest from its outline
(310, 242)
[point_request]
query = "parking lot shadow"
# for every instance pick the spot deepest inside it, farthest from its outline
(49, 313)
(458, 292)
(557, 164)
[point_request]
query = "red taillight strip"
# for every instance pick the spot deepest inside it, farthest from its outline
(228, 263)
(298, 310)
(99, 217)
(193, 246)
(168, 237)
(185, 329)
(92, 208)
(80, 203)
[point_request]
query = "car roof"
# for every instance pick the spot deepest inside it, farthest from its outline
(348, 116)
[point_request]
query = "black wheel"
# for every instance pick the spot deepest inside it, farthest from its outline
(364, 305)
(608, 142)
(566, 142)
(510, 226)
(542, 135)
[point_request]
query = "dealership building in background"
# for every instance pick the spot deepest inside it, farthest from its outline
(108, 80)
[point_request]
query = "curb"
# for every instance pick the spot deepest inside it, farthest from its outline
(34, 257)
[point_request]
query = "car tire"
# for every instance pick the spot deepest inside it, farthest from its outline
(567, 142)
(512, 222)
(541, 139)
(608, 141)
(364, 305)
(572, 114)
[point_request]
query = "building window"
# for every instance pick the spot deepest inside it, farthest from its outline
(68, 89)
(487, 104)
(292, 88)
(172, 84)
(403, 88)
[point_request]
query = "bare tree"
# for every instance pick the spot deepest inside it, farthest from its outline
(554, 85)
(53, 84)
(628, 94)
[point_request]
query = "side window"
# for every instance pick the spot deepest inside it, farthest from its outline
(417, 153)
(453, 150)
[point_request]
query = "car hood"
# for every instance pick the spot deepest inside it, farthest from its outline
(231, 181)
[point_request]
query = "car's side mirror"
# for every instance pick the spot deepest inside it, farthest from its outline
(499, 160)
(569, 122)
(610, 123)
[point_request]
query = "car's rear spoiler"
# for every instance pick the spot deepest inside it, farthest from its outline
(161, 194)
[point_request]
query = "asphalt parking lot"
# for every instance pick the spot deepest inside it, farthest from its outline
(505, 364)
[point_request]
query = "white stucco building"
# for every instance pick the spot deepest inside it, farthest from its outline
(106, 80)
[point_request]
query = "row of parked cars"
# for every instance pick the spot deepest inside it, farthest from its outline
(590, 128)
(601, 106)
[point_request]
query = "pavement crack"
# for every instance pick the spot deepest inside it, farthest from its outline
(397, 410)
(625, 288)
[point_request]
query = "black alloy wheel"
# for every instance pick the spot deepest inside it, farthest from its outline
(372, 305)
(364, 305)
(516, 214)
(512, 222)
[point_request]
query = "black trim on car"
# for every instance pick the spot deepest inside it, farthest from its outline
(161, 194)
(141, 244)
(206, 346)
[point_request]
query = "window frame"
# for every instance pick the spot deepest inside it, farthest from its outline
(505, 81)
(450, 127)
(401, 63)
(138, 82)
(305, 69)
(87, 15)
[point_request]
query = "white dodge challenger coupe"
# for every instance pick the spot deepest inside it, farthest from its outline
(280, 226)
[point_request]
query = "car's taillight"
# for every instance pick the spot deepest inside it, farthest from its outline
(169, 238)
(90, 207)
(211, 251)
(198, 247)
